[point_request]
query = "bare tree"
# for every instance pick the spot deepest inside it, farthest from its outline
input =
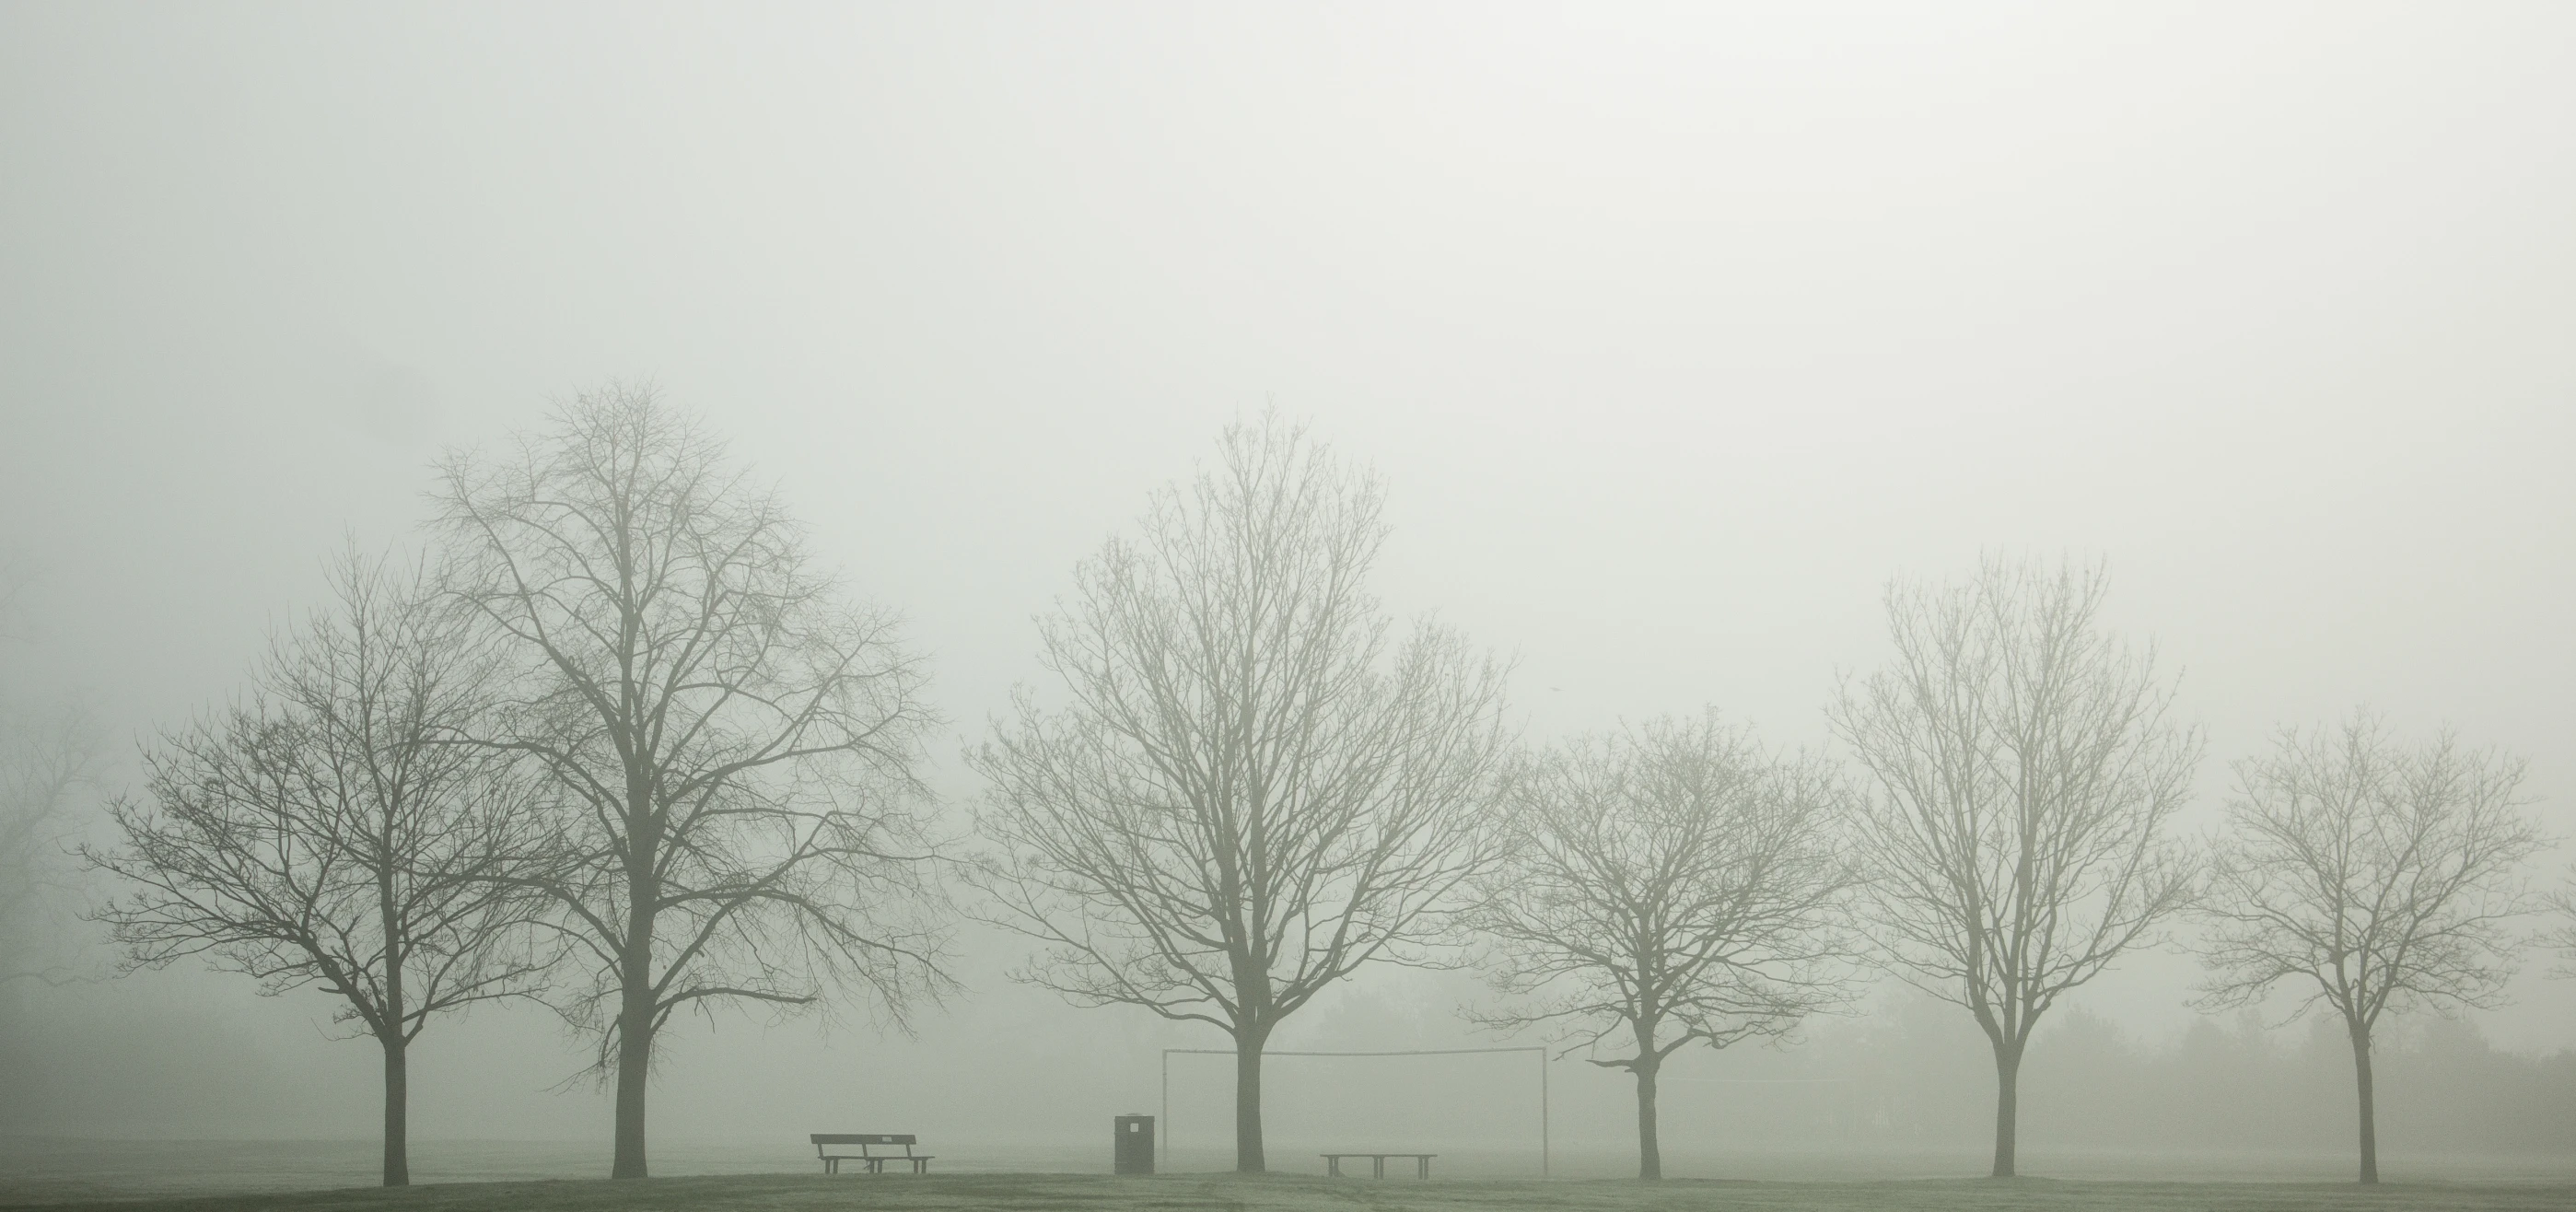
(1250, 789)
(736, 743)
(2027, 768)
(47, 756)
(1674, 884)
(45, 761)
(327, 834)
(2383, 876)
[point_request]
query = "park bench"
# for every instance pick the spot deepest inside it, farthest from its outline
(868, 1143)
(1421, 1163)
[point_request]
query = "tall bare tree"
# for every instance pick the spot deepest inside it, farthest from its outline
(48, 755)
(46, 758)
(1250, 787)
(328, 834)
(737, 743)
(2027, 766)
(2372, 876)
(1674, 884)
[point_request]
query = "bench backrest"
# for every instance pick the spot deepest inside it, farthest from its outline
(865, 1139)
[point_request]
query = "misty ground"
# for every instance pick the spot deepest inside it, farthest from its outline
(1287, 1193)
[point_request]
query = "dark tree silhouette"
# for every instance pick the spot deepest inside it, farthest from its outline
(735, 744)
(1674, 885)
(1249, 790)
(2026, 770)
(328, 833)
(2371, 875)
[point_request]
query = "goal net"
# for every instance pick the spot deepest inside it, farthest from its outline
(1484, 1109)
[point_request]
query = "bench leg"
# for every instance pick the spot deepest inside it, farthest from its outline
(1377, 1167)
(1332, 1167)
(1425, 1163)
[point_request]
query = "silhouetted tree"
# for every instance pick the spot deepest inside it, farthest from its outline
(329, 833)
(1249, 789)
(736, 744)
(2383, 876)
(1673, 884)
(2026, 770)
(45, 758)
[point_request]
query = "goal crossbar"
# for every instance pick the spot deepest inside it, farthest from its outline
(1163, 1134)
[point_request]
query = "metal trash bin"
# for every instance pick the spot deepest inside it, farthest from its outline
(1135, 1144)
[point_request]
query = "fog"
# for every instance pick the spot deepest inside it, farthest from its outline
(1675, 332)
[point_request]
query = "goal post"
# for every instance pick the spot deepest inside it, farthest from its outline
(1163, 1128)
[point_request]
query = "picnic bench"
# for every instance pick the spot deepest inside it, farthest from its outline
(1421, 1163)
(868, 1143)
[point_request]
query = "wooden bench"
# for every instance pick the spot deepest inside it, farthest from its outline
(1421, 1163)
(866, 1156)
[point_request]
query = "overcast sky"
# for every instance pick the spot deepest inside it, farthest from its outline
(1675, 331)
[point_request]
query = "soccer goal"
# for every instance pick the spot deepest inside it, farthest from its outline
(1165, 1134)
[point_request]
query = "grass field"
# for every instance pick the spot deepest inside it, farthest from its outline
(1286, 1193)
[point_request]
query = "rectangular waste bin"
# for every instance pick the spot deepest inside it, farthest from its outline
(1135, 1144)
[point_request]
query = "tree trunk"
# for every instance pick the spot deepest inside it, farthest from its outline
(397, 1112)
(1650, 1150)
(2007, 1105)
(634, 1064)
(635, 995)
(389, 1031)
(1248, 1157)
(2369, 1115)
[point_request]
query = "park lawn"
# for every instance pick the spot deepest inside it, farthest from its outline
(1286, 1193)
